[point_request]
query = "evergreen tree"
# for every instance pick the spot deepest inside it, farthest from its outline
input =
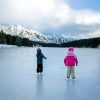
(18, 41)
(92, 42)
(2, 37)
(8, 39)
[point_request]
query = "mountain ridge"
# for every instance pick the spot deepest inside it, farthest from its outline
(33, 35)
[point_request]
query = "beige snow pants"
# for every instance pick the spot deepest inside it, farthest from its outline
(70, 72)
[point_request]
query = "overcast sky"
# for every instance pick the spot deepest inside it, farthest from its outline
(52, 16)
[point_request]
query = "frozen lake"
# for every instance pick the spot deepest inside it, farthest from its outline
(19, 80)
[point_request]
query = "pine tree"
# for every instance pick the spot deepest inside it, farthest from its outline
(8, 39)
(18, 41)
(2, 37)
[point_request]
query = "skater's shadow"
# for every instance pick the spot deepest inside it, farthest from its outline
(39, 84)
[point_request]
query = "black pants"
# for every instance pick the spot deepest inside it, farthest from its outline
(39, 68)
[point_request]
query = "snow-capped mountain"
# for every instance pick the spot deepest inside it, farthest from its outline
(59, 38)
(47, 37)
(20, 31)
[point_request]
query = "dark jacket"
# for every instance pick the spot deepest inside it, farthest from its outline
(40, 57)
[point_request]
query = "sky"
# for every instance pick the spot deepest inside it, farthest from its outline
(52, 16)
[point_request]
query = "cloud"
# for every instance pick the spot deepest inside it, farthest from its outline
(49, 16)
(87, 17)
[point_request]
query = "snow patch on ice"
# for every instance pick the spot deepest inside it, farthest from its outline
(7, 46)
(99, 46)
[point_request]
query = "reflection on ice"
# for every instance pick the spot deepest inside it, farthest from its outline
(39, 84)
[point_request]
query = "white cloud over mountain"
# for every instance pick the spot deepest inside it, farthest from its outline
(49, 16)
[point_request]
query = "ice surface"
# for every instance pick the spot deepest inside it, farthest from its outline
(19, 80)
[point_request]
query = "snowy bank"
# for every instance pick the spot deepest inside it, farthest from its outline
(99, 46)
(7, 46)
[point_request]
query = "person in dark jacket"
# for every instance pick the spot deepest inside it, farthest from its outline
(40, 58)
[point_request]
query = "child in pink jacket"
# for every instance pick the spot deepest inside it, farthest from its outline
(70, 61)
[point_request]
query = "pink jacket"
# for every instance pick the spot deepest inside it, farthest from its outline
(70, 60)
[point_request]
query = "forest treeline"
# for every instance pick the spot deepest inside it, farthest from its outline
(88, 43)
(19, 41)
(16, 40)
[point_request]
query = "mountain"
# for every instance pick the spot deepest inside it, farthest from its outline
(20, 31)
(47, 37)
(59, 38)
(33, 35)
(67, 38)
